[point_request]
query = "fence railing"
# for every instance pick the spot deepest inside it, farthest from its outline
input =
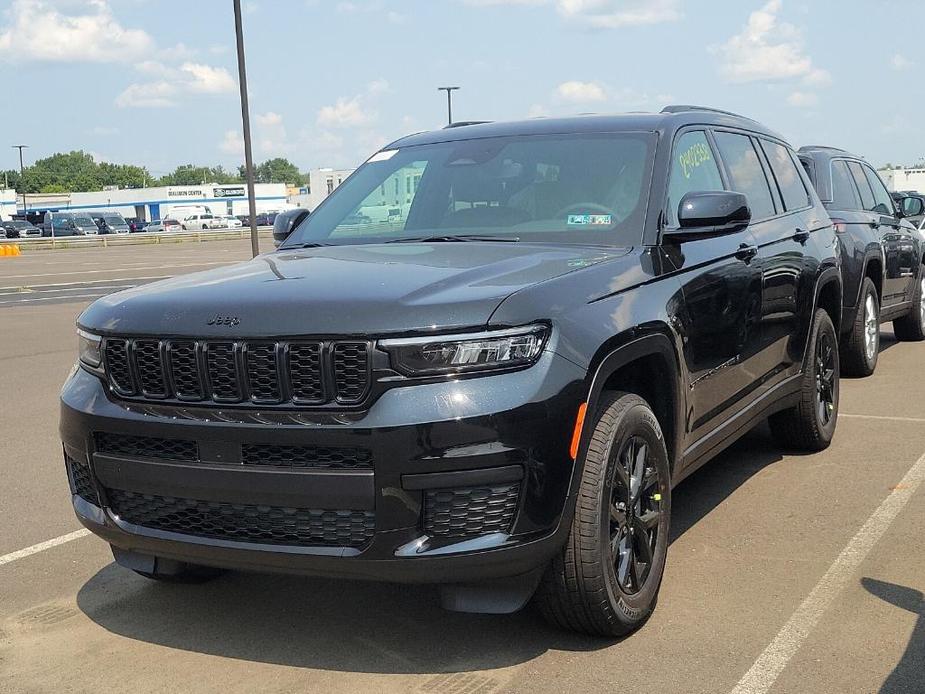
(140, 238)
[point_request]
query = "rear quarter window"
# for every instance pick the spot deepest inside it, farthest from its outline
(788, 178)
(844, 193)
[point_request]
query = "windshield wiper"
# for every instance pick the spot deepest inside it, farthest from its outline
(307, 244)
(442, 238)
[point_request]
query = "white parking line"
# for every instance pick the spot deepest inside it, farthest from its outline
(38, 287)
(121, 269)
(42, 546)
(771, 663)
(30, 290)
(914, 420)
(62, 299)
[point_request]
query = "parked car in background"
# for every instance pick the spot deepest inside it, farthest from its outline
(227, 222)
(496, 395)
(135, 225)
(20, 229)
(110, 223)
(199, 222)
(68, 224)
(163, 225)
(266, 219)
(881, 254)
(905, 200)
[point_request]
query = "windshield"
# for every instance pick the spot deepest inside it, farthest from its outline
(114, 221)
(588, 188)
(84, 222)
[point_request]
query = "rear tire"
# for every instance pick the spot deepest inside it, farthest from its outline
(606, 579)
(911, 327)
(810, 425)
(861, 348)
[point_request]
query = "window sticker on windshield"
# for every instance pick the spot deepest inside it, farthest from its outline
(590, 219)
(692, 157)
(384, 155)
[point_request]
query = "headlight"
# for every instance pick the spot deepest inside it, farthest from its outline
(89, 351)
(493, 349)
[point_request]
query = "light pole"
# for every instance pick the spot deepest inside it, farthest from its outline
(246, 123)
(449, 102)
(22, 175)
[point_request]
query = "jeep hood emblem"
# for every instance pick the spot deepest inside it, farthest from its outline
(223, 320)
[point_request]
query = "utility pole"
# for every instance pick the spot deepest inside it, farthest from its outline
(246, 122)
(22, 175)
(449, 102)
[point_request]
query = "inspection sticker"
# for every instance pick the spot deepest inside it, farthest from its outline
(591, 219)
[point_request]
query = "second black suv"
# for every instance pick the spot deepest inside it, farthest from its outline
(493, 384)
(881, 253)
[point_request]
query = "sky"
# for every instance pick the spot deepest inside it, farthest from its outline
(154, 82)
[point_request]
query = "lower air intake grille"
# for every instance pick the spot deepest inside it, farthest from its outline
(146, 447)
(82, 480)
(470, 511)
(275, 525)
(305, 456)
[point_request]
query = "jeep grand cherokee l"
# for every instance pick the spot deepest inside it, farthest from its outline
(493, 389)
(881, 254)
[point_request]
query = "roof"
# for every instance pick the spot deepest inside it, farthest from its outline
(826, 152)
(667, 122)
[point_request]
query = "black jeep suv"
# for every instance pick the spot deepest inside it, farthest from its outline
(881, 254)
(492, 384)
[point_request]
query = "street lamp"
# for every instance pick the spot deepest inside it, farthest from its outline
(449, 102)
(246, 123)
(22, 175)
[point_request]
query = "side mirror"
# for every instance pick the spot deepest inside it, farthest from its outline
(285, 222)
(702, 214)
(911, 206)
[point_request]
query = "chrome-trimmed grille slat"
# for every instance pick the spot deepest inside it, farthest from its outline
(295, 373)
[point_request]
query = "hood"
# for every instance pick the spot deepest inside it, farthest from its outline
(373, 289)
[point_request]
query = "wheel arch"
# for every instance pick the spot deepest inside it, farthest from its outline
(829, 296)
(648, 366)
(873, 268)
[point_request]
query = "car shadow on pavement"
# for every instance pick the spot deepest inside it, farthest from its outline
(366, 627)
(909, 673)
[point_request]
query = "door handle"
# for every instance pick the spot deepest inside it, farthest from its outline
(801, 235)
(746, 252)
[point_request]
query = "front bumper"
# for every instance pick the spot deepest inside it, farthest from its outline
(458, 481)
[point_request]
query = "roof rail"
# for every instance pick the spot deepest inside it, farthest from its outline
(463, 123)
(681, 108)
(806, 148)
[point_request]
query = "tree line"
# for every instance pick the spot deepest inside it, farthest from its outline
(75, 172)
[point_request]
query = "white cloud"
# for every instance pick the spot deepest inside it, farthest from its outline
(580, 92)
(344, 113)
(232, 143)
(767, 49)
(798, 98)
(158, 94)
(268, 119)
(207, 79)
(602, 14)
(900, 62)
(39, 31)
(379, 86)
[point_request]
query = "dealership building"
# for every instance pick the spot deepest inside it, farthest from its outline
(904, 179)
(151, 204)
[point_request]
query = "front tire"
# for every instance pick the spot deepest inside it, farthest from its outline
(606, 579)
(810, 425)
(861, 349)
(911, 327)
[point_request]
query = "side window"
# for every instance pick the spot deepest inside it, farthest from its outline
(788, 178)
(692, 168)
(884, 201)
(746, 173)
(844, 194)
(867, 195)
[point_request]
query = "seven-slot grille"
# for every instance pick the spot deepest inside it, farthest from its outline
(303, 373)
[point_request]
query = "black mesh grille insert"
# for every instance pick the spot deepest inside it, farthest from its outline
(275, 525)
(184, 369)
(262, 373)
(146, 447)
(150, 368)
(351, 370)
(82, 478)
(223, 372)
(470, 511)
(305, 372)
(305, 456)
(117, 366)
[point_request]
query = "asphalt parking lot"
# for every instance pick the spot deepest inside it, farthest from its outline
(786, 573)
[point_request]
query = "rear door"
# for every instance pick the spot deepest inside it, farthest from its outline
(882, 216)
(722, 295)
